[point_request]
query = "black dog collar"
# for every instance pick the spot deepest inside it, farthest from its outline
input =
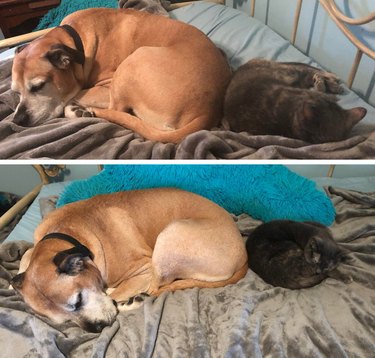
(76, 38)
(71, 240)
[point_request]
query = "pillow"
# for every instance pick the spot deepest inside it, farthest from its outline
(265, 192)
(24, 230)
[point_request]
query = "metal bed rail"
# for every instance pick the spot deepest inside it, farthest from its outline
(341, 20)
(46, 173)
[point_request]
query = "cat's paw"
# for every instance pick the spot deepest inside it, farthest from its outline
(74, 110)
(327, 82)
(347, 279)
(340, 276)
(132, 303)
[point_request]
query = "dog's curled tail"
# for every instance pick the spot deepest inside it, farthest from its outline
(190, 283)
(166, 136)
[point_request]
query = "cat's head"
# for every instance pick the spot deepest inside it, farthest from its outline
(324, 253)
(320, 119)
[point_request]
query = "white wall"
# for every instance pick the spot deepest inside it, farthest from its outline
(319, 37)
(20, 179)
(340, 171)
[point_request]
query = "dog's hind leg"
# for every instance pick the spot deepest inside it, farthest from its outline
(148, 131)
(190, 283)
(197, 253)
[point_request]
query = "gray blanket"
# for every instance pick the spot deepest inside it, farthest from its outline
(248, 319)
(95, 138)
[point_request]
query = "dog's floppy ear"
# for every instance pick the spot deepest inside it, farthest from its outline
(62, 56)
(17, 281)
(72, 261)
(311, 251)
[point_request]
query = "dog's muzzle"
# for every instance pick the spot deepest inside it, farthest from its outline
(95, 327)
(21, 116)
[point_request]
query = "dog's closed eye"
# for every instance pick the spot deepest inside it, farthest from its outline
(78, 302)
(37, 87)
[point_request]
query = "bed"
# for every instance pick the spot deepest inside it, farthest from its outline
(247, 319)
(242, 38)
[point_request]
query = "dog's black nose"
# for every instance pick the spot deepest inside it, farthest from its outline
(21, 116)
(95, 327)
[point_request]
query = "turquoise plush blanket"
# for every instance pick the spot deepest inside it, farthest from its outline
(66, 7)
(265, 192)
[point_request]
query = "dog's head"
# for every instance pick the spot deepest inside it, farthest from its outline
(47, 75)
(66, 286)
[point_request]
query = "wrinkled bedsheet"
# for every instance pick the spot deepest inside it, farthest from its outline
(242, 38)
(247, 319)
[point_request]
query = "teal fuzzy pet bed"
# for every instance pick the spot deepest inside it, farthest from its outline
(265, 192)
(66, 7)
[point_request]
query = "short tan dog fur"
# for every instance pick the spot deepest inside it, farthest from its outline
(159, 77)
(144, 241)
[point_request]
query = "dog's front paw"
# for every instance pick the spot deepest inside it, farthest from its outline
(327, 82)
(109, 290)
(76, 111)
(132, 303)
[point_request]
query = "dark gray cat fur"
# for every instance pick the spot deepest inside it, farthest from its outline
(287, 99)
(158, 7)
(294, 254)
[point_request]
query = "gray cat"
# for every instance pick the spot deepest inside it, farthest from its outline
(294, 254)
(158, 7)
(287, 99)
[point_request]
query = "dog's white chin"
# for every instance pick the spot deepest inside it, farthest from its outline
(43, 115)
(98, 308)
(42, 108)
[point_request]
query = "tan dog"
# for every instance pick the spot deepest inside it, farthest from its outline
(159, 77)
(144, 241)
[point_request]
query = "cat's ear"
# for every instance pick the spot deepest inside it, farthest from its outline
(308, 111)
(311, 251)
(354, 115)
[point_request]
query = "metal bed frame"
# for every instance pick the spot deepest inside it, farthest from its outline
(45, 174)
(341, 20)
